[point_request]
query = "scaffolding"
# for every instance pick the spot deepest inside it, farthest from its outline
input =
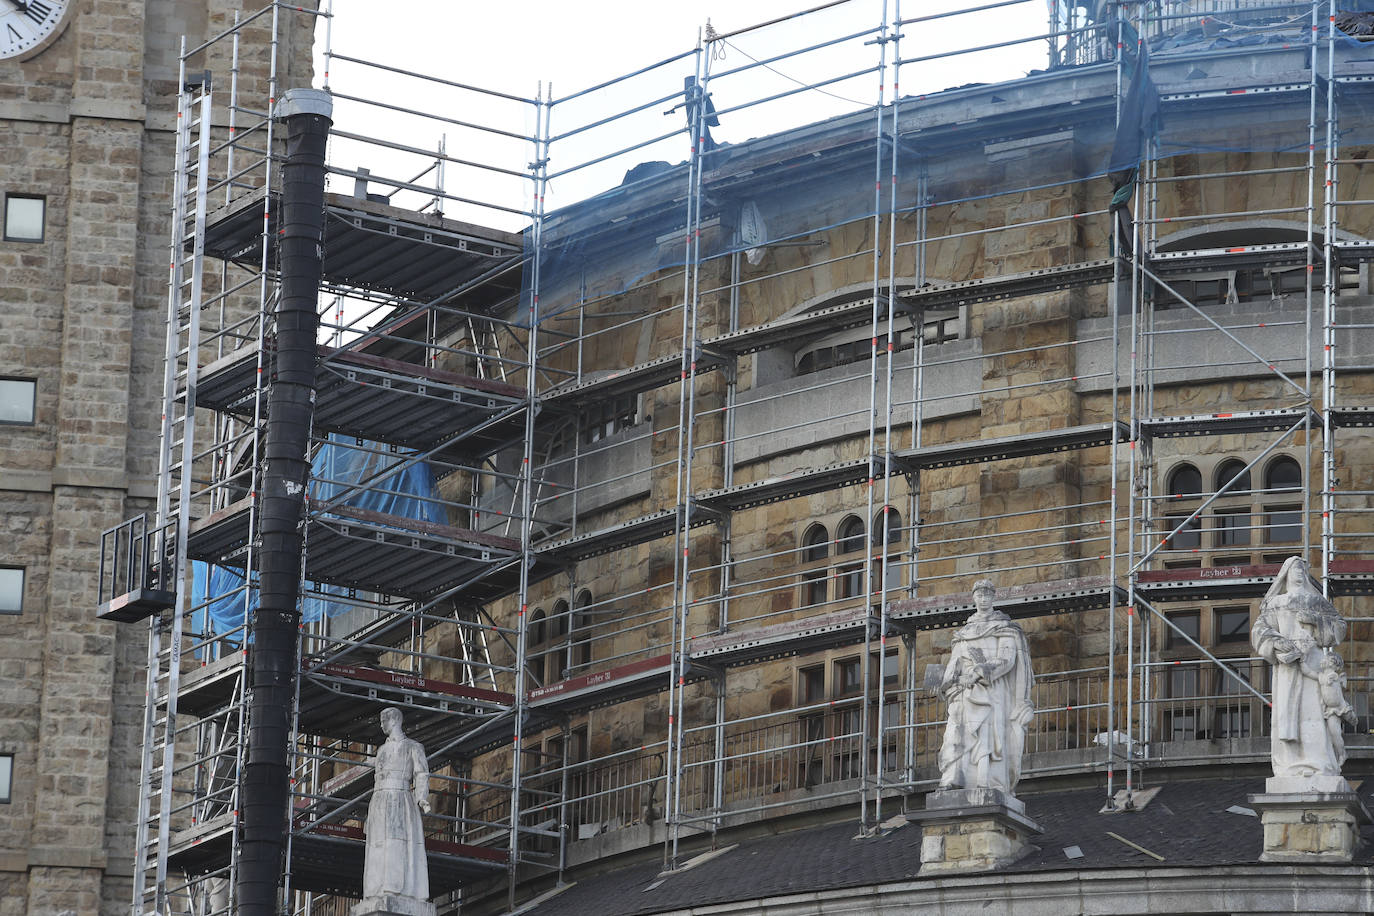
(648, 507)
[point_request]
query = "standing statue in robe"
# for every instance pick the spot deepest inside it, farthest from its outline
(987, 685)
(1295, 632)
(395, 862)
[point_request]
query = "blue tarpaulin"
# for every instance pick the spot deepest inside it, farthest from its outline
(342, 473)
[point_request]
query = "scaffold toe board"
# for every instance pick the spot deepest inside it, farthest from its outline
(1219, 424)
(378, 398)
(1343, 577)
(602, 688)
(1206, 583)
(1016, 601)
(373, 245)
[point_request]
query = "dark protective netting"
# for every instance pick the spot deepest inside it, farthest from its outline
(344, 472)
(955, 146)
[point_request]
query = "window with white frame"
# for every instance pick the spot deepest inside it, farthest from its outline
(24, 217)
(11, 589)
(17, 397)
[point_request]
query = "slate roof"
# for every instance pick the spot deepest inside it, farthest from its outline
(1187, 823)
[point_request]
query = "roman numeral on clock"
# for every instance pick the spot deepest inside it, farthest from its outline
(37, 10)
(13, 32)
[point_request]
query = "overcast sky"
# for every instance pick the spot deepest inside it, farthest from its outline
(538, 47)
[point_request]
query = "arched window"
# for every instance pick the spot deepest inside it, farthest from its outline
(1233, 469)
(815, 557)
(1283, 474)
(894, 527)
(556, 660)
(815, 544)
(538, 634)
(849, 537)
(889, 572)
(1184, 480)
(1283, 521)
(581, 630)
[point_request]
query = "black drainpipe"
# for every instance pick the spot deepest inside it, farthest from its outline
(265, 798)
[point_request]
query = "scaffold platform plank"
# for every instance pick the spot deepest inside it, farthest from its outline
(378, 552)
(1025, 445)
(823, 319)
(211, 687)
(327, 858)
(603, 688)
(374, 246)
(608, 385)
(1352, 417)
(1225, 583)
(1350, 577)
(1234, 257)
(1206, 583)
(1009, 286)
(387, 400)
(1041, 599)
(786, 486)
(346, 702)
(1226, 424)
(639, 530)
(778, 640)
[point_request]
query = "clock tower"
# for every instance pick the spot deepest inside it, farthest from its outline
(87, 112)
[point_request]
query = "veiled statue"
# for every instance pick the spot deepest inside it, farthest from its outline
(395, 863)
(987, 685)
(1296, 632)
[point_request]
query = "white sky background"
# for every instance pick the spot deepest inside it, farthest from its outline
(564, 47)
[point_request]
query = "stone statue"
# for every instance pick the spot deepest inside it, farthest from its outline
(395, 865)
(987, 685)
(1295, 632)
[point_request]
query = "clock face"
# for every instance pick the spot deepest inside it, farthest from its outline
(29, 26)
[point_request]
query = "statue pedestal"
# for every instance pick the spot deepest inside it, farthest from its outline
(1312, 820)
(971, 830)
(392, 905)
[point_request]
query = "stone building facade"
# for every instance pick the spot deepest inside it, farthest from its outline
(88, 133)
(764, 466)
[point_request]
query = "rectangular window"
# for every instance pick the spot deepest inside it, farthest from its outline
(1232, 528)
(849, 581)
(812, 684)
(24, 217)
(1182, 725)
(1188, 538)
(16, 400)
(1282, 524)
(1232, 624)
(848, 679)
(11, 589)
(1187, 621)
(6, 775)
